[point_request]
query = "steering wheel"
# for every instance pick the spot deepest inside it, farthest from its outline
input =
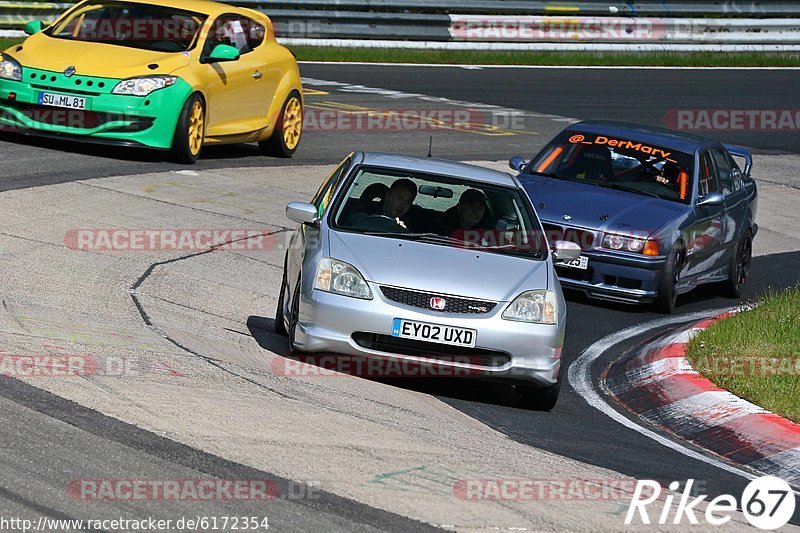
(381, 223)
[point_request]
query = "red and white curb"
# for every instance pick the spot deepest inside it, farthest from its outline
(659, 385)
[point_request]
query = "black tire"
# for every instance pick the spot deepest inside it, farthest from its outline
(186, 147)
(739, 268)
(277, 145)
(280, 326)
(668, 287)
(293, 318)
(538, 398)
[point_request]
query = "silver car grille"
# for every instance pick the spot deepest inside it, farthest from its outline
(423, 300)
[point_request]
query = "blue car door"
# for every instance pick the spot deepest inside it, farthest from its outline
(735, 199)
(704, 249)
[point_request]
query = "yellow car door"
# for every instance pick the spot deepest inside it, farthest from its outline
(235, 99)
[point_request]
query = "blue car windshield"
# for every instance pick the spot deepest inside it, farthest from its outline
(129, 24)
(617, 163)
(443, 210)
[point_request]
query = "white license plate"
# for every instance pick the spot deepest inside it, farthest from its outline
(410, 329)
(62, 100)
(581, 263)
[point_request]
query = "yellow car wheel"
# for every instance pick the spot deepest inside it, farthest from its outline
(190, 131)
(286, 137)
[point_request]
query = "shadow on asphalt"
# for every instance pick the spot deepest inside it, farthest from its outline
(123, 153)
(459, 388)
(768, 272)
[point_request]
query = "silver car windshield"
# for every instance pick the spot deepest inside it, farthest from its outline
(440, 210)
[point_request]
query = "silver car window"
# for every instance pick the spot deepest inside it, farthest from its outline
(446, 210)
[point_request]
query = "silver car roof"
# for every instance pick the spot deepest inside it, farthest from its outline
(435, 166)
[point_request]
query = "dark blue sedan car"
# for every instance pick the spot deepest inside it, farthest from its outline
(656, 213)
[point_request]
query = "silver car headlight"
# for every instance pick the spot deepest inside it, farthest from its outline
(10, 69)
(538, 307)
(342, 278)
(144, 85)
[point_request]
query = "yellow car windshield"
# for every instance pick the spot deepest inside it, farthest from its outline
(134, 25)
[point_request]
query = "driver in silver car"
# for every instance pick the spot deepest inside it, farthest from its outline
(395, 204)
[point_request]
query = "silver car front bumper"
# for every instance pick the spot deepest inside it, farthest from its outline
(327, 324)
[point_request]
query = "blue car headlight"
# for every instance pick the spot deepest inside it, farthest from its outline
(10, 69)
(538, 307)
(640, 245)
(143, 86)
(342, 278)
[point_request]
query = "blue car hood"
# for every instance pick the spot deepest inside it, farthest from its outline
(439, 268)
(598, 208)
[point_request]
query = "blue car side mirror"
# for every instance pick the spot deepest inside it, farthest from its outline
(517, 163)
(711, 199)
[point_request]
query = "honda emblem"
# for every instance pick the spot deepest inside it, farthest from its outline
(438, 303)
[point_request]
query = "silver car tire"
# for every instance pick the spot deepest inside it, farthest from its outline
(293, 318)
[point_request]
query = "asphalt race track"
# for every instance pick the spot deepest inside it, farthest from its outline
(639, 95)
(47, 437)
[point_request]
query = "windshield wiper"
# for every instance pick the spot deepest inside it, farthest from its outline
(414, 236)
(619, 187)
(509, 248)
(556, 176)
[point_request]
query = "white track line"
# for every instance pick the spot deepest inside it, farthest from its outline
(580, 378)
(535, 67)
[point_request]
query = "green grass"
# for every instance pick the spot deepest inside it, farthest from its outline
(755, 354)
(698, 59)
(400, 55)
(6, 42)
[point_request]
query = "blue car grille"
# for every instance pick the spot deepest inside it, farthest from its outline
(582, 237)
(423, 300)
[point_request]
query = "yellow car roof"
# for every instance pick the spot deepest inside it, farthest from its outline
(205, 7)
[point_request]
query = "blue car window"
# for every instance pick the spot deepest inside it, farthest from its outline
(724, 171)
(708, 179)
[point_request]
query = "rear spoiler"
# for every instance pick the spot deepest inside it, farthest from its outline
(744, 153)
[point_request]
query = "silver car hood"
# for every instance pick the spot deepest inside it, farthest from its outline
(439, 268)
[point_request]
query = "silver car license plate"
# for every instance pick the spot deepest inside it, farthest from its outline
(62, 100)
(411, 329)
(581, 263)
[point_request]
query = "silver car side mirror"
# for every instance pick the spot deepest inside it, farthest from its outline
(711, 199)
(302, 213)
(566, 251)
(517, 163)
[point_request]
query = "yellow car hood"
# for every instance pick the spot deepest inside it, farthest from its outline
(95, 59)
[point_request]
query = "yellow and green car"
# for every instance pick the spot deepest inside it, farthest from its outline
(170, 75)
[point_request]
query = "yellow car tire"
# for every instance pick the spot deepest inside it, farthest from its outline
(286, 137)
(187, 142)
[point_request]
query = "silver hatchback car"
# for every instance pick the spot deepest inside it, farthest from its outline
(427, 264)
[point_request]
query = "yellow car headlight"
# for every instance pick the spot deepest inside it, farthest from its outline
(143, 86)
(10, 69)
